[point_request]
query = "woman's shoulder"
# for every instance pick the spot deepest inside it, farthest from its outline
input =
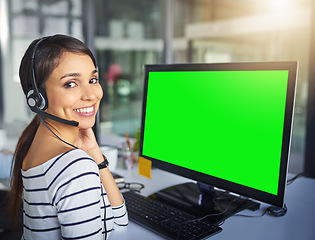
(71, 158)
(74, 153)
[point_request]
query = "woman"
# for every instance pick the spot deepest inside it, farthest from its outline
(59, 172)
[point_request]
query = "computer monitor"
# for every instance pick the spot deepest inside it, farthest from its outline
(226, 125)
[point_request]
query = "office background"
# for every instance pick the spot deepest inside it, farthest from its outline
(126, 34)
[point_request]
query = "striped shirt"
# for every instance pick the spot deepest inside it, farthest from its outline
(64, 199)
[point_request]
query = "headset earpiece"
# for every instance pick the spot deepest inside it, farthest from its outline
(37, 99)
(37, 102)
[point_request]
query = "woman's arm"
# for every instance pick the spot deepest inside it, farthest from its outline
(87, 142)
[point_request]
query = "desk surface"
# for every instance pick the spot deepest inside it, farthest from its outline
(298, 223)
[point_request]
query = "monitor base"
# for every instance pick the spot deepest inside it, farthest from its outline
(201, 200)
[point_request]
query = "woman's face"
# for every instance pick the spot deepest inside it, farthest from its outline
(73, 90)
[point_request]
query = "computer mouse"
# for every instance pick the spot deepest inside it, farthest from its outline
(277, 211)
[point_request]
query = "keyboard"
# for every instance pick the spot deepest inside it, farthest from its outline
(165, 220)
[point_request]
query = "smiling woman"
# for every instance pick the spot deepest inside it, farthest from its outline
(56, 164)
(73, 90)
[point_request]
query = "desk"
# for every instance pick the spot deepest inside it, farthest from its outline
(297, 224)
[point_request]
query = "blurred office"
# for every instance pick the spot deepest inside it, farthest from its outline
(127, 34)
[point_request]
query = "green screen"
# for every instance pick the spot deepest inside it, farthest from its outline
(227, 124)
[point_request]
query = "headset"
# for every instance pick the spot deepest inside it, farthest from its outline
(36, 97)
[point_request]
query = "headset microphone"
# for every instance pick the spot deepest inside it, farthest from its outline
(36, 97)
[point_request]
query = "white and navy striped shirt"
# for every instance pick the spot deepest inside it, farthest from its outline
(64, 199)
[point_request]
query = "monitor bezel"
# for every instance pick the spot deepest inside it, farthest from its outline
(291, 66)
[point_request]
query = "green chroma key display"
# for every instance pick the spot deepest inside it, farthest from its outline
(229, 125)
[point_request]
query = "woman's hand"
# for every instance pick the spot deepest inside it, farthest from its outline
(87, 142)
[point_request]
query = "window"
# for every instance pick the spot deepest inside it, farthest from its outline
(130, 34)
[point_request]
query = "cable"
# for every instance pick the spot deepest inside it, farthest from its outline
(294, 178)
(41, 119)
(208, 215)
(267, 210)
(275, 211)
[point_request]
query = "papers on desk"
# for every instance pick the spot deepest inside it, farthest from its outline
(3, 187)
(5, 164)
(118, 178)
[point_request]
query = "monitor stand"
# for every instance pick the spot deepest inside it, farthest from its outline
(201, 199)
